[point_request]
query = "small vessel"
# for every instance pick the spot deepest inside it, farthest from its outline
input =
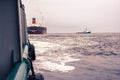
(35, 28)
(84, 32)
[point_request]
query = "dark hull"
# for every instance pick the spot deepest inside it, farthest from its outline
(83, 32)
(36, 30)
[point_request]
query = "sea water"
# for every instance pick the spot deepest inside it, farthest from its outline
(77, 56)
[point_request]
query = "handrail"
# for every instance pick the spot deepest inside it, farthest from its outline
(21, 69)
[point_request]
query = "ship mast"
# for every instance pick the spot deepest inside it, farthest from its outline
(43, 21)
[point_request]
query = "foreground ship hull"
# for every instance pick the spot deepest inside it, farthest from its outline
(36, 30)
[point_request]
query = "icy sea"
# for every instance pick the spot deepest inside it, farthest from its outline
(77, 56)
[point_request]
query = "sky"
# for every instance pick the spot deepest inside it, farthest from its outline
(70, 16)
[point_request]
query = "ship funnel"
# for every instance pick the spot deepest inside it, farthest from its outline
(33, 20)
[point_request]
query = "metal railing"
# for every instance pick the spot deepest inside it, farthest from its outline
(21, 69)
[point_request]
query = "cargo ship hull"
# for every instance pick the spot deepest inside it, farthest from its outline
(36, 30)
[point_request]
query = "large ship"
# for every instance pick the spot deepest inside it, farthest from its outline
(36, 29)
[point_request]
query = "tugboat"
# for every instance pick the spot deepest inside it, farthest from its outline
(36, 29)
(84, 32)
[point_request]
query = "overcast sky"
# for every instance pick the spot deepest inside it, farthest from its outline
(75, 15)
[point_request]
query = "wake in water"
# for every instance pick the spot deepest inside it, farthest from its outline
(79, 54)
(56, 53)
(51, 56)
